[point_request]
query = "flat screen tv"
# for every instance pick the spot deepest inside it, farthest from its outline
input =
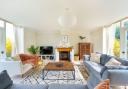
(46, 50)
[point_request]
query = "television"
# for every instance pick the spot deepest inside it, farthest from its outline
(46, 50)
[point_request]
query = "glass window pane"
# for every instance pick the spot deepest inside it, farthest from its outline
(125, 23)
(116, 49)
(2, 23)
(9, 39)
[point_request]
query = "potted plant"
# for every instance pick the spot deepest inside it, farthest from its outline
(33, 49)
(76, 57)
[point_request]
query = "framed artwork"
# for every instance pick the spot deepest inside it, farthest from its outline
(65, 38)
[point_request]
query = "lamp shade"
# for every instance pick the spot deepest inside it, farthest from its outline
(67, 20)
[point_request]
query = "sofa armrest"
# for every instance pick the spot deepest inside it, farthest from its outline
(13, 67)
(87, 57)
(124, 62)
(118, 77)
(95, 68)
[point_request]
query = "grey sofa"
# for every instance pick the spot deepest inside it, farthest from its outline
(7, 83)
(97, 72)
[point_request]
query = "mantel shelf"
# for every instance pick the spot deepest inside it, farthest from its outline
(64, 49)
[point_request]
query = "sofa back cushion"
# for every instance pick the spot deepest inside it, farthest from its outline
(95, 57)
(113, 62)
(104, 59)
(5, 80)
(103, 85)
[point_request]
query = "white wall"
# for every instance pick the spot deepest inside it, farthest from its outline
(29, 38)
(45, 38)
(53, 38)
(97, 40)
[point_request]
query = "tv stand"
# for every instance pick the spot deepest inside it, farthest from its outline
(48, 56)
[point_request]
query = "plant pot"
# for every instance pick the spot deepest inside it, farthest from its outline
(76, 58)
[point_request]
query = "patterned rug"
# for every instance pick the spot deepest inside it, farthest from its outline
(36, 77)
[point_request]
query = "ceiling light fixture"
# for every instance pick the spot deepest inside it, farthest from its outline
(67, 20)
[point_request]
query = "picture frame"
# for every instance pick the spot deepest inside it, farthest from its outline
(65, 38)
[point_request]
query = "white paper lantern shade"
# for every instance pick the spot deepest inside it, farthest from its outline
(67, 20)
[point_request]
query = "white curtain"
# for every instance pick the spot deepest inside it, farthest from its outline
(109, 37)
(19, 40)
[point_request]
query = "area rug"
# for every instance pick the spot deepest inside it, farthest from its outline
(36, 77)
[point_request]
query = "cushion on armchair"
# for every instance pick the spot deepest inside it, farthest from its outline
(5, 80)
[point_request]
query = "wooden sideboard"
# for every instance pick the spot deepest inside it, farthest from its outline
(85, 48)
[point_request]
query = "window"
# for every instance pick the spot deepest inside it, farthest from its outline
(115, 37)
(116, 48)
(2, 38)
(1, 23)
(9, 39)
(125, 38)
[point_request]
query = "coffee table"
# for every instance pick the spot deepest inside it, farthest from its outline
(58, 66)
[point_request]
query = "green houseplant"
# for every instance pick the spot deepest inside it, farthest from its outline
(33, 49)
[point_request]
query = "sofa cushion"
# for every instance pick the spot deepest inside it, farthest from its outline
(95, 68)
(104, 59)
(113, 62)
(118, 67)
(95, 57)
(22, 86)
(5, 80)
(67, 86)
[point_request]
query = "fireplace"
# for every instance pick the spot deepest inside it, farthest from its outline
(64, 54)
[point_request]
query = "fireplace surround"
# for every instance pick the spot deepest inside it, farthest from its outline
(64, 54)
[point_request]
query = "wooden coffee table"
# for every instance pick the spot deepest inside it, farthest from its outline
(58, 66)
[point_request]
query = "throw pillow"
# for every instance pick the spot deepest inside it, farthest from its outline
(104, 59)
(5, 80)
(113, 62)
(16, 57)
(103, 85)
(95, 57)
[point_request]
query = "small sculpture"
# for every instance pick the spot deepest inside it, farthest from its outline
(82, 37)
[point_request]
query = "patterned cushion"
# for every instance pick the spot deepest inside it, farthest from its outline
(67, 86)
(113, 62)
(103, 85)
(16, 58)
(95, 57)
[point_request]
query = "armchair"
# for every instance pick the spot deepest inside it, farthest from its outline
(32, 59)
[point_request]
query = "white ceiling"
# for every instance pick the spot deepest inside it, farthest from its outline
(43, 14)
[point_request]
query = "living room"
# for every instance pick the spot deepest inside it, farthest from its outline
(63, 44)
